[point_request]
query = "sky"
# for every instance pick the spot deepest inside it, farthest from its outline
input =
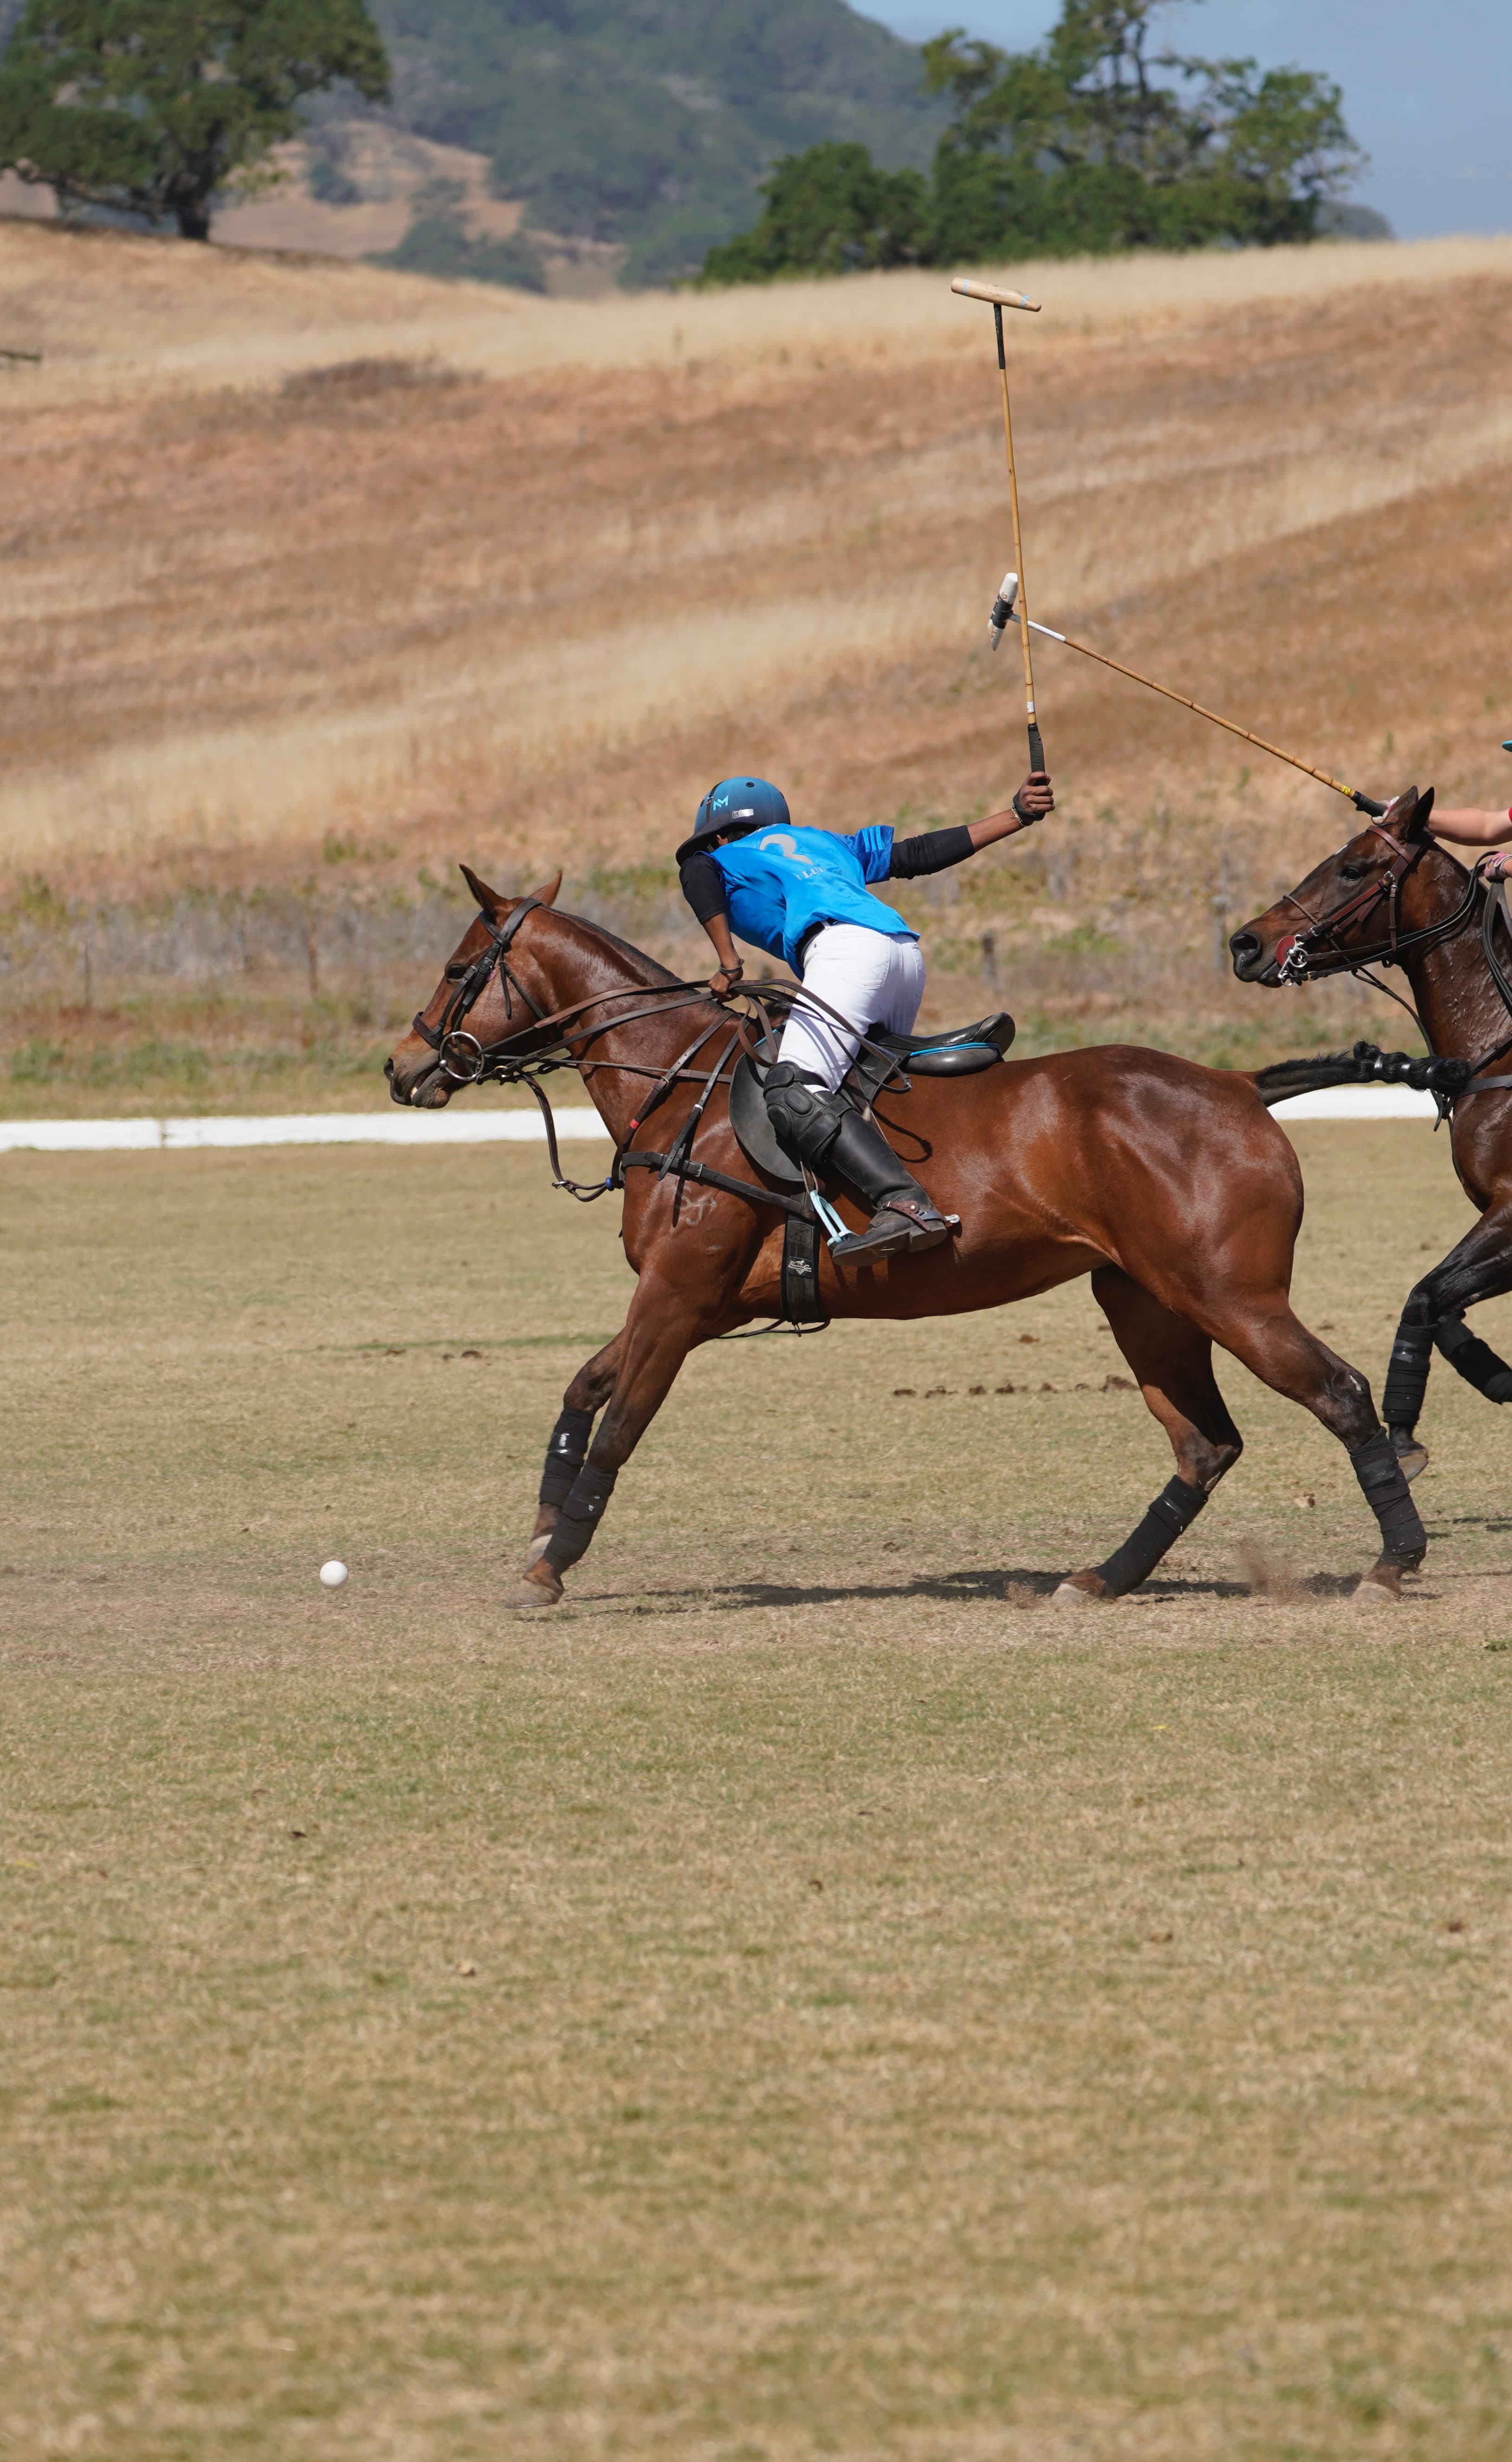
(1427, 89)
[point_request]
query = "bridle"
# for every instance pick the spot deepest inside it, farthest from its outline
(1298, 955)
(470, 986)
(562, 1040)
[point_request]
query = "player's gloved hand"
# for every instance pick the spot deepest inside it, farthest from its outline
(1035, 798)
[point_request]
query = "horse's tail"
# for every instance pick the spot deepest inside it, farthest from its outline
(1366, 1064)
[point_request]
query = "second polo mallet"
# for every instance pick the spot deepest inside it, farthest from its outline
(1010, 599)
(998, 300)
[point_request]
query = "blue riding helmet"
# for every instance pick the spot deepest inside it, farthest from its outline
(735, 806)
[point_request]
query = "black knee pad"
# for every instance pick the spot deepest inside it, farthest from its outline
(807, 1118)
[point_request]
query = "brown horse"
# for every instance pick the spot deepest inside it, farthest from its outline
(1168, 1183)
(1394, 894)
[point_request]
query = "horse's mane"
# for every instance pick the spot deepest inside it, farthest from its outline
(655, 970)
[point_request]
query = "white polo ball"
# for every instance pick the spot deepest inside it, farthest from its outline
(333, 1574)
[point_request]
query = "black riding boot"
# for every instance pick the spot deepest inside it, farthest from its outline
(829, 1135)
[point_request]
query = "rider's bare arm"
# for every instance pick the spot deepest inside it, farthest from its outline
(1468, 826)
(937, 848)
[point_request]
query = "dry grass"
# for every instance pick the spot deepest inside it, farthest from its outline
(651, 535)
(798, 2000)
(309, 556)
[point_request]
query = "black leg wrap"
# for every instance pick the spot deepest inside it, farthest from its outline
(1474, 1360)
(581, 1515)
(1403, 1538)
(1407, 1376)
(1174, 1509)
(564, 1455)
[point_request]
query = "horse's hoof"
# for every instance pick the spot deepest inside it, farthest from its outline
(540, 1588)
(1411, 1455)
(1079, 1590)
(1382, 1587)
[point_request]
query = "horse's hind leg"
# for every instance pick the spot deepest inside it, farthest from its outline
(584, 1398)
(1278, 1347)
(1172, 1359)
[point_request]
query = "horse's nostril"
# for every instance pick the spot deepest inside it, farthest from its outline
(1245, 945)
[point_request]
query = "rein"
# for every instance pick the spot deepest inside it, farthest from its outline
(554, 1034)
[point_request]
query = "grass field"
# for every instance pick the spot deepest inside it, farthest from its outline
(807, 1996)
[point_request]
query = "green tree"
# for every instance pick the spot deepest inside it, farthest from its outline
(829, 210)
(154, 106)
(1094, 141)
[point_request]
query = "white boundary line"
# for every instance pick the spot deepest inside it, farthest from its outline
(579, 1121)
(394, 1128)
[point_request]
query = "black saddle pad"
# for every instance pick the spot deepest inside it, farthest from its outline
(961, 1054)
(749, 1121)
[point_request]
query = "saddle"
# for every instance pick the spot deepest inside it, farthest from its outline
(959, 1054)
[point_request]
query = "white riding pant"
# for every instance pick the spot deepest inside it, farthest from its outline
(872, 978)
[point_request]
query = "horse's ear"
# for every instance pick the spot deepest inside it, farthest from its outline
(1400, 816)
(487, 898)
(1423, 814)
(545, 895)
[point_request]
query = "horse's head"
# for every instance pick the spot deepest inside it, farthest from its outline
(476, 1004)
(1343, 913)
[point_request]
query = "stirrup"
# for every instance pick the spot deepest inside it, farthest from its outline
(907, 1224)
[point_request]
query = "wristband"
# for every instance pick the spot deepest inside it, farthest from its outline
(1025, 820)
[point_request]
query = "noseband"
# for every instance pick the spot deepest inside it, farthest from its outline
(1298, 953)
(447, 1039)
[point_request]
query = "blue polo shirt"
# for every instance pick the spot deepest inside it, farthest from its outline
(779, 883)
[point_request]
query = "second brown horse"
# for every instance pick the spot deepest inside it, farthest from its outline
(1168, 1183)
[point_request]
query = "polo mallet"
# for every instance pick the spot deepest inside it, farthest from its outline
(1002, 609)
(998, 300)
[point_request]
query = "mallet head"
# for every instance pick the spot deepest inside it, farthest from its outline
(993, 297)
(1004, 608)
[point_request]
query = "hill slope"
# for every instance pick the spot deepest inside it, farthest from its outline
(650, 123)
(317, 578)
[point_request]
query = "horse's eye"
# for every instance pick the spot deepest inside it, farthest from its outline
(1355, 871)
(456, 971)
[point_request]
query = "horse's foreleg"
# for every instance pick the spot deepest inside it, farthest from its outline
(1278, 1347)
(581, 1403)
(1406, 1385)
(661, 1328)
(1478, 1268)
(1172, 1360)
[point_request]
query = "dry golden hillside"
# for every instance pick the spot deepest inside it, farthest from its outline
(300, 551)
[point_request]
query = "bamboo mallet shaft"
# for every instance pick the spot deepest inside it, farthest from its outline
(998, 300)
(1362, 804)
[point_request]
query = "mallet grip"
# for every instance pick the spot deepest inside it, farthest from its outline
(970, 290)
